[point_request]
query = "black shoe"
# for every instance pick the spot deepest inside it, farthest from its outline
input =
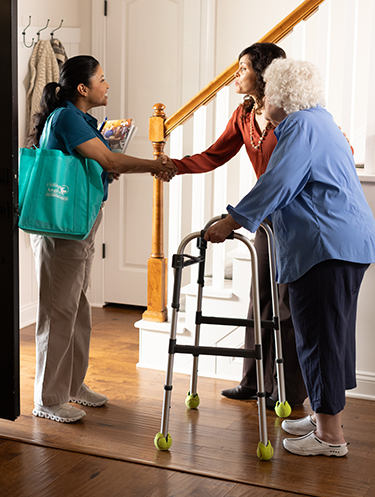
(239, 393)
(270, 403)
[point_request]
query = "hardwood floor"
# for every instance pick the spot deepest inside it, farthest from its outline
(27, 469)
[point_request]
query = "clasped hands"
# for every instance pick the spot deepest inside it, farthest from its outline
(166, 170)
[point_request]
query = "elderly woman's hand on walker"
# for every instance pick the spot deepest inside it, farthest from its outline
(218, 232)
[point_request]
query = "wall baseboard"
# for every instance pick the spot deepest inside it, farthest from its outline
(365, 386)
(28, 314)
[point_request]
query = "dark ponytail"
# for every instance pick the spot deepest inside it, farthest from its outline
(74, 71)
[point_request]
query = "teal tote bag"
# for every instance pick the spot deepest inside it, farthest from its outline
(59, 194)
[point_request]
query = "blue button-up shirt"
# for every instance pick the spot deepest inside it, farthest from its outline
(313, 193)
(71, 127)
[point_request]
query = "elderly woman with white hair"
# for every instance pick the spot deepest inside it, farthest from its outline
(324, 238)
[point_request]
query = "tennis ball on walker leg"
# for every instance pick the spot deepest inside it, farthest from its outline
(283, 410)
(265, 452)
(192, 401)
(162, 443)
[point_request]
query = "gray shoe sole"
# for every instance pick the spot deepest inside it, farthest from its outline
(59, 419)
(88, 404)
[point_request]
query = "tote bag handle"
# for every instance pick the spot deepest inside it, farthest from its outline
(47, 129)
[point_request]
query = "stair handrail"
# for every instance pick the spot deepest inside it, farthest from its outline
(204, 96)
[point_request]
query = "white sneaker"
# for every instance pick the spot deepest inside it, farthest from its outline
(311, 445)
(298, 426)
(88, 397)
(63, 413)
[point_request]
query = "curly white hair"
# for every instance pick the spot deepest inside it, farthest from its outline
(293, 85)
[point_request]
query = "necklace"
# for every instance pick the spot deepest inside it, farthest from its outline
(264, 132)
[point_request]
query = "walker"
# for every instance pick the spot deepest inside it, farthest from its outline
(163, 440)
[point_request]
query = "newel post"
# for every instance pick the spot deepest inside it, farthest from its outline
(157, 264)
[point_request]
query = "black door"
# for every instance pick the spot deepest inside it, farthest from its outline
(9, 300)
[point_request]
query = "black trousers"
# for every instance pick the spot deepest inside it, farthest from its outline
(294, 384)
(324, 307)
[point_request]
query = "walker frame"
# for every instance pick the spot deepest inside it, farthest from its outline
(163, 440)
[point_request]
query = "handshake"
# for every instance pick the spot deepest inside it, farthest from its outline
(165, 170)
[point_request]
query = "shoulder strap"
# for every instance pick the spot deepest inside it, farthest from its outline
(47, 129)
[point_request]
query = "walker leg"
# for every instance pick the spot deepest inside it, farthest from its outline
(264, 450)
(194, 374)
(192, 400)
(163, 440)
(282, 407)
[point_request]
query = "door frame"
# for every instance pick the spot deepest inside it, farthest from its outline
(9, 263)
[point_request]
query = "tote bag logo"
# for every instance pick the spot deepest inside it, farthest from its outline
(58, 191)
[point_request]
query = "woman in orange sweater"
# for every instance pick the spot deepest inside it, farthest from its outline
(249, 127)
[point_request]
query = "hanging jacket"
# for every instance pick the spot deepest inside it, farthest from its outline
(59, 51)
(43, 69)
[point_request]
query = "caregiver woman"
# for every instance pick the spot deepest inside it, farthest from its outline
(63, 266)
(325, 240)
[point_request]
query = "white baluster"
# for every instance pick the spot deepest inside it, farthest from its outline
(299, 41)
(198, 183)
(324, 44)
(198, 180)
(220, 187)
(247, 175)
(175, 209)
(247, 180)
(350, 60)
(370, 129)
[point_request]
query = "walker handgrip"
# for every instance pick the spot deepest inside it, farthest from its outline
(229, 237)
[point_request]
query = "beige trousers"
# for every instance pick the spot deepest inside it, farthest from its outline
(63, 327)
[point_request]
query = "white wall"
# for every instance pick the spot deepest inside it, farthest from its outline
(243, 22)
(75, 15)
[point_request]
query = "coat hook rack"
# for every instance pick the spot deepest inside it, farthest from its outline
(42, 29)
(24, 35)
(62, 20)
